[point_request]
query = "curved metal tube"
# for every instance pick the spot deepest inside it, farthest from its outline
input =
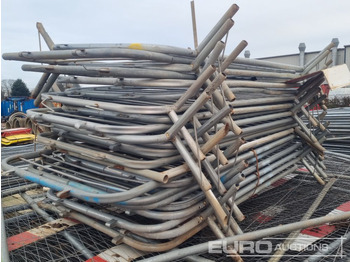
(136, 164)
(92, 126)
(101, 53)
(147, 47)
(106, 72)
(114, 221)
(89, 197)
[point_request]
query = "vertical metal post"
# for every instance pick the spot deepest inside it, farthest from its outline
(4, 249)
(194, 25)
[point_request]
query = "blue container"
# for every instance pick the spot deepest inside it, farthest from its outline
(15, 104)
(7, 108)
(25, 105)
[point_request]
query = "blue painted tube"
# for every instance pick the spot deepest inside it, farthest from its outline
(49, 183)
(86, 188)
(77, 191)
(44, 182)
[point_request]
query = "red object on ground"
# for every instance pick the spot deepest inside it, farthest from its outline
(325, 89)
(319, 231)
(96, 259)
(21, 240)
(312, 234)
(15, 131)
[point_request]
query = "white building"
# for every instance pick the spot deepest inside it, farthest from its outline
(338, 56)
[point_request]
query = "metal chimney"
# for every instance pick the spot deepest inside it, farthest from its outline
(335, 51)
(302, 48)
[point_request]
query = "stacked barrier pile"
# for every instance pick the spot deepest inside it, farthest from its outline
(158, 142)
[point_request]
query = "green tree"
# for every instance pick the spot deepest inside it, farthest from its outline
(19, 88)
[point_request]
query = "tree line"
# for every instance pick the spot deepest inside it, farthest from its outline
(338, 102)
(10, 87)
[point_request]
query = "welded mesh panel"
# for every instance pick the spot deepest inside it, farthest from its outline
(55, 247)
(284, 204)
(287, 204)
(20, 149)
(11, 181)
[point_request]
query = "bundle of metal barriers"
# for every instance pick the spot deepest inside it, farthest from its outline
(158, 142)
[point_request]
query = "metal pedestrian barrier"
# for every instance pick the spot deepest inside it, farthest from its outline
(158, 142)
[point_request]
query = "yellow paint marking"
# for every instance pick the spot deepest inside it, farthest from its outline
(137, 46)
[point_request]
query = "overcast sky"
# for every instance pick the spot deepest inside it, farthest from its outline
(271, 28)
